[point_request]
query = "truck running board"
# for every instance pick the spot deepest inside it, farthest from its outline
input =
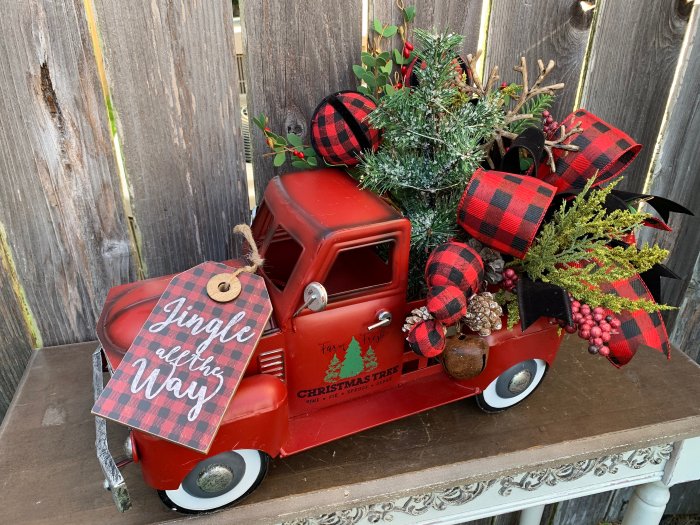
(337, 421)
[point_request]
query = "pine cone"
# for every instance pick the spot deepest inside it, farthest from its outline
(493, 261)
(483, 314)
(417, 315)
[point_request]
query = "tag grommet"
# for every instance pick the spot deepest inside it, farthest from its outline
(224, 287)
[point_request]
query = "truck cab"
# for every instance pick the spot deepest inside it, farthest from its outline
(333, 359)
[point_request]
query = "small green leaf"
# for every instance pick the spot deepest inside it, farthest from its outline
(389, 31)
(380, 62)
(525, 163)
(278, 149)
(368, 60)
(389, 89)
(409, 13)
(279, 159)
(294, 140)
(378, 26)
(398, 58)
(312, 161)
(364, 90)
(368, 79)
(358, 70)
(309, 152)
(387, 68)
(385, 55)
(299, 164)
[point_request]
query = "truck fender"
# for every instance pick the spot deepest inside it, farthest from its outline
(257, 418)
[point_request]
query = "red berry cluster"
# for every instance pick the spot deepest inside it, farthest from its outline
(407, 48)
(594, 325)
(550, 125)
(503, 85)
(298, 154)
(510, 279)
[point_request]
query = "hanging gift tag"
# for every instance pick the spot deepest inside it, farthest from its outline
(185, 364)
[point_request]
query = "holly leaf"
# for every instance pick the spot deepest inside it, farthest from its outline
(378, 26)
(294, 140)
(279, 159)
(389, 31)
(409, 13)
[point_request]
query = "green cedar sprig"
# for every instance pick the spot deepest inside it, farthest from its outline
(579, 233)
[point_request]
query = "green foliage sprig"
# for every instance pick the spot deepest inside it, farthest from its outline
(287, 147)
(572, 251)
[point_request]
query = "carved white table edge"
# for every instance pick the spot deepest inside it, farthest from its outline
(652, 469)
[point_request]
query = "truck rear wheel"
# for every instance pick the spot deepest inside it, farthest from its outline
(218, 481)
(512, 386)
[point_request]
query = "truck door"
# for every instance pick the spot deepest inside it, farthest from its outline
(337, 354)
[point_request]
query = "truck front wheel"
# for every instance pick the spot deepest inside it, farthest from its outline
(218, 481)
(512, 386)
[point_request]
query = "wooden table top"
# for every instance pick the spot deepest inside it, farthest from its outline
(585, 408)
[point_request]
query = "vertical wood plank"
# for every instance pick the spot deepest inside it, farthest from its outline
(588, 510)
(456, 16)
(675, 176)
(298, 51)
(60, 205)
(546, 29)
(171, 68)
(15, 345)
(633, 57)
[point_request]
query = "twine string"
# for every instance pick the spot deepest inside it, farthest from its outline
(253, 256)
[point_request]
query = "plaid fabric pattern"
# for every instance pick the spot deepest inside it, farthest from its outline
(447, 304)
(427, 339)
(455, 264)
(602, 147)
(158, 409)
(340, 130)
(638, 327)
(504, 210)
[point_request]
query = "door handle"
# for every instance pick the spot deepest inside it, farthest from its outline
(383, 319)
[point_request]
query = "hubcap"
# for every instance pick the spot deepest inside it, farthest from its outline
(215, 478)
(519, 382)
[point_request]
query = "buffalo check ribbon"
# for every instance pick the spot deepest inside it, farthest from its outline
(638, 327)
(504, 210)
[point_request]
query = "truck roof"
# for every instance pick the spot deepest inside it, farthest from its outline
(328, 199)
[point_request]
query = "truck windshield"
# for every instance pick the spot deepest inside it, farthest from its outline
(360, 268)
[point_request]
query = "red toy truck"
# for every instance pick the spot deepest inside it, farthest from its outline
(336, 260)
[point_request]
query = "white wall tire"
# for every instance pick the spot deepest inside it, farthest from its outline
(218, 481)
(512, 386)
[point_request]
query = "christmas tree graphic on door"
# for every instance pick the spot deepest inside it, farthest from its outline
(353, 364)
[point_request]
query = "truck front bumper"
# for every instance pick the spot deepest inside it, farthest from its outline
(114, 481)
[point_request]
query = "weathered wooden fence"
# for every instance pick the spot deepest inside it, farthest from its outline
(121, 153)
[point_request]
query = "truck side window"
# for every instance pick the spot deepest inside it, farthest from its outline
(360, 268)
(281, 256)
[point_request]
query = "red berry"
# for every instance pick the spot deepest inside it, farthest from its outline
(408, 45)
(301, 155)
(588, 317)
(597, 317)
(406, 52)
(545, 113)
(509, 273)
(570, 329)
(605, 327)
(598, 341)
(508, 283)
(596, 331)
(615, 323)
(605, 337)
(398, 85)
(555, 124)
(604, 351)
(504, 85)
(585, 309)
(404, 70)
(584, 334)
(576, 305)
(577, 317)
(267, 128)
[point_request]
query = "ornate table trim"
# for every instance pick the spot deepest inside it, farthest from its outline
(454, 498)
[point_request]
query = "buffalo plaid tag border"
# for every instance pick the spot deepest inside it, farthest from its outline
(504, 210)
(602, 147)
(638, 327)
(165, 415)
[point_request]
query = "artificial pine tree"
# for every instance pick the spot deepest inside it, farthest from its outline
(432, 141)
